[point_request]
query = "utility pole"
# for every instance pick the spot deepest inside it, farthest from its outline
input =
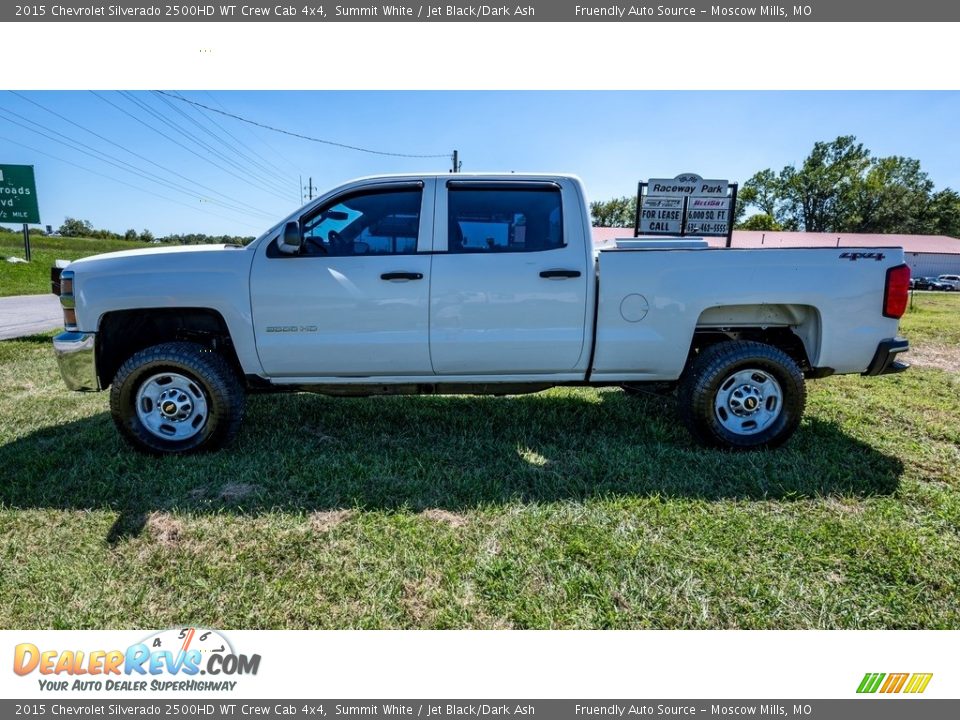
(456, 161)
(309, 189)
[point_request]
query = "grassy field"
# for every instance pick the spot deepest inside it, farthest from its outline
(932, 317)
(567, 509)
(34, 277)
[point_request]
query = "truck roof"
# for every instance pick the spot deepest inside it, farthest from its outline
(505, 175)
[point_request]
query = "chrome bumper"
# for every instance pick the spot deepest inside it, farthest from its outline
(76, 357)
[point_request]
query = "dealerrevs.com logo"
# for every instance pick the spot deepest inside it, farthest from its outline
(168, 660)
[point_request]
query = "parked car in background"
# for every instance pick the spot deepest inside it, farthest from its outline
(952, 282)
(928, 283)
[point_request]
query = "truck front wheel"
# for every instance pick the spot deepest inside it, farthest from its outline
(742, 395)
(177, 398)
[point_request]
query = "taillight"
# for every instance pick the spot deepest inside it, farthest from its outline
(896, 291)
(67, 300)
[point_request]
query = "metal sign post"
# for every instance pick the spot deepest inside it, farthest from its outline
(733, 212)
(18, 199)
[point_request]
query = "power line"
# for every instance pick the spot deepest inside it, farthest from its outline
(149, 126)
(175, 141)
(239, 203)
(266, 167)
(102, 156)
(298, 135)
(139, 103)
(123, 182)
(263, 140)
(257, 137)
(214, 151)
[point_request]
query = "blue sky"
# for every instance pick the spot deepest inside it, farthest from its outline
(611, 139)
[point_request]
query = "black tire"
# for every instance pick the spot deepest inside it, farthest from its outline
(713, 367)
(221, 395)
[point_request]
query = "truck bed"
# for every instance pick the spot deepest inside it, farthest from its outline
(652, 300)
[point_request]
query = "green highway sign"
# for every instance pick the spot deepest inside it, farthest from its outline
(18, 195)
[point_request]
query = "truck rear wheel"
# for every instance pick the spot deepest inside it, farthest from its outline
(177, 398)
(742, 395)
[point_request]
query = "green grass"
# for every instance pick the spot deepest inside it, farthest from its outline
(566, 509)
(932, 318)
(34, 277)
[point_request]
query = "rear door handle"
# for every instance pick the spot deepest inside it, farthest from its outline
(559, 273)
(402, 276)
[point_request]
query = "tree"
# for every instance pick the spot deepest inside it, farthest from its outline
(840, 187)
(745, 198)
(619, 212)
(760, 221)
(130, 234)
(75, 228)
(146, 236)
(821, 195)
(892, 197)
(764, 189)
(943, 213)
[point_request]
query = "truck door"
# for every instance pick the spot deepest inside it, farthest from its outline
(355, 301)
(509, 284)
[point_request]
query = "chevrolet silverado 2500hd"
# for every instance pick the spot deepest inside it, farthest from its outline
(470, 284)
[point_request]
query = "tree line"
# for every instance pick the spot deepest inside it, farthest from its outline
(76, 228)
(840, 187)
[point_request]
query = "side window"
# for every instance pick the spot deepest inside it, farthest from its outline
(381, 222)
(504, 220)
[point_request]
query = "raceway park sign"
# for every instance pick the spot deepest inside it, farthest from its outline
(685, 205)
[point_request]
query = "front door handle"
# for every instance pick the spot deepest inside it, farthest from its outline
(395, 276)
(559, 273)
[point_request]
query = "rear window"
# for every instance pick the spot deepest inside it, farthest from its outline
(504, 220)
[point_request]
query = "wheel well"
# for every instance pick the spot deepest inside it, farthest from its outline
(793, 328)
(779, 337)
(125, 332)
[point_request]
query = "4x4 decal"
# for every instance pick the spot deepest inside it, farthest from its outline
(853, 256)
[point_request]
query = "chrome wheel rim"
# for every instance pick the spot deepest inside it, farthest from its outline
(748, 401)
(172, 406)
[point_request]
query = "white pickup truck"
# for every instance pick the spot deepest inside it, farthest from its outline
(470, 284)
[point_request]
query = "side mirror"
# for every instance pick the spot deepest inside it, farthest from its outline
(290, 239)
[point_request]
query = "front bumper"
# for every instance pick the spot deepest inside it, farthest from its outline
(76, 356)
(885, 359)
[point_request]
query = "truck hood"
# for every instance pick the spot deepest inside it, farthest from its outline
(146, 253)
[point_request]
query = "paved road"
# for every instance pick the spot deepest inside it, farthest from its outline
(29, 314)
